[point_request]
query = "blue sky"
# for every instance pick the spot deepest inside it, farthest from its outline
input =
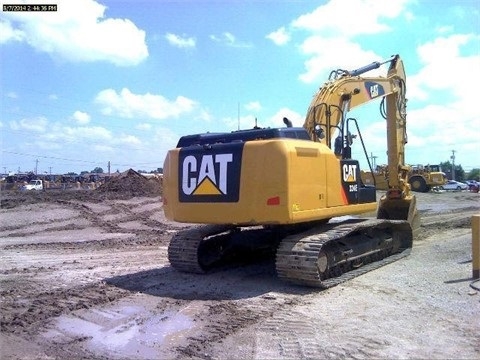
(121, 80)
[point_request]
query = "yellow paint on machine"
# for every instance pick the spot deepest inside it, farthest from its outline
(305, 176)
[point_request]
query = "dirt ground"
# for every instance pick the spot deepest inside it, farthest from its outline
(84, 274)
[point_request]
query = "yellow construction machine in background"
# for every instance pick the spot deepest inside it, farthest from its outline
(422, 178)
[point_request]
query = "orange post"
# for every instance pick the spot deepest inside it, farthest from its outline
(476, 246)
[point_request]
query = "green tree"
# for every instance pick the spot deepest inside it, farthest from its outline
(474, 174)
(447, 169)
(97, 170)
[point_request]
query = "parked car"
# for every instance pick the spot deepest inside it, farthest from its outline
(454, 185)
(33, 185)
(473, 186)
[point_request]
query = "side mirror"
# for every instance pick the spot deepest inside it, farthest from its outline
(319, 132)
(350, 138)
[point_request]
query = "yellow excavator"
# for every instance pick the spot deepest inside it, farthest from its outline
(295, 191)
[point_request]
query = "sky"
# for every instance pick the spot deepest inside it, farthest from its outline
(120, 81)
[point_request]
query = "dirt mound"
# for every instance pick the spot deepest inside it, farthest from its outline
(132, 183)
(122, 186)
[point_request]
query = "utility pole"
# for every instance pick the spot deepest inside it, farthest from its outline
(373, 159)
(453, 164)
(36, 167)
(109, 168)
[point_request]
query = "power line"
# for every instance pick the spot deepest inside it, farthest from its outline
(48, 157)
(73, 160)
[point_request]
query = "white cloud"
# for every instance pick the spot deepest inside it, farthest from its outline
(144, 126)
(127, 140)
(81, 117)
(37, 124)
(76, 134)
(279, 37)
(253, 106)
(8, 33)
(56, 135)
(347, 55)
(249, 121)
(129, 105)
(442, 64)
(331, 43)
(229, 39)
(444, 29)
(277, 119)
(164, 140)
(181, 42)
(79, 31)
(242, 122)
(433, 132)
(352, 19)
(103, 148)
(47, 145)
(203, 115)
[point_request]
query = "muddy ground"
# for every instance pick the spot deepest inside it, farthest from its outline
(84, 274)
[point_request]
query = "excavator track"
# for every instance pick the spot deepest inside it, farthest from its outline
(323, 256)
(187, 250)
(320, 257)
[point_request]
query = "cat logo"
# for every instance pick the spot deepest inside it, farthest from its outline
(349, 172)
(350, 175)
(209, 177)
(212, 176)
(374, 89)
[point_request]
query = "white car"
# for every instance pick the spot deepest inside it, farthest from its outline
(34, 185)
(454, 185)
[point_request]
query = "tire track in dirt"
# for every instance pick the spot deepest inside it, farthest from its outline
(26, 303)
(25, 315)
(434, 222)
(295, 336)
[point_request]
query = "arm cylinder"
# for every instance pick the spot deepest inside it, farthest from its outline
(364, 69)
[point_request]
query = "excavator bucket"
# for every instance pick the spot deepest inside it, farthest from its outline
(400, 209)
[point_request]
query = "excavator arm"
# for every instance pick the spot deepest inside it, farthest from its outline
(346, 90)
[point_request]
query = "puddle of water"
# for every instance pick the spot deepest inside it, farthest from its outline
(134, 332)
(161, 328)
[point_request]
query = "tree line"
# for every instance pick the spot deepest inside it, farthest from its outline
(460, 174)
